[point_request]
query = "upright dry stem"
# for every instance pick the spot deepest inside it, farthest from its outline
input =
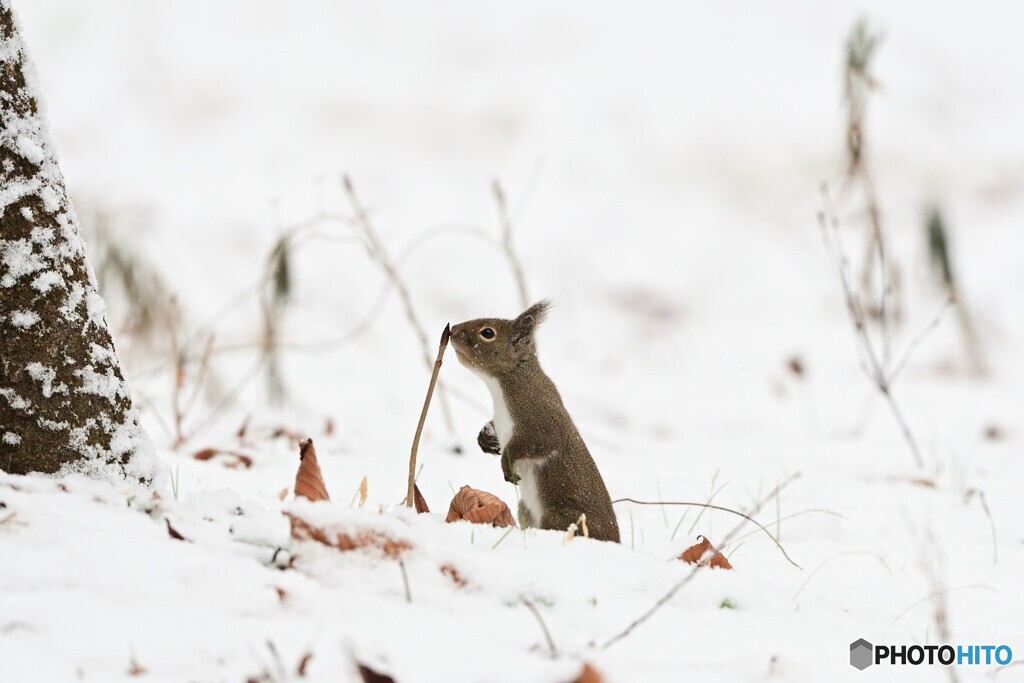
(410, 497)
(874, 363)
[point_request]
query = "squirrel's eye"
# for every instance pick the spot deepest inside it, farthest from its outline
(487, 333)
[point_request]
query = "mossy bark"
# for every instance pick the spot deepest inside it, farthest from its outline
(63, 399)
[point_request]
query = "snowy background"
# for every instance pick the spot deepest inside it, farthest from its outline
(662, 165)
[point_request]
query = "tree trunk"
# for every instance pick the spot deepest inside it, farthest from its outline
(63, 400)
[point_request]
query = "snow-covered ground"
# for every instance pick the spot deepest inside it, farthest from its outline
(662, 163)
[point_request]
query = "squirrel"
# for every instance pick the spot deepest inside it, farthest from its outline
(541, 450)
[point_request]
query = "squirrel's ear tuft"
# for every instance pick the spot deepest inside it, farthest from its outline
(539, 311)
(524, 325)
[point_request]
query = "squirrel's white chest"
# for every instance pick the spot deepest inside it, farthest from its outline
(527, 471)
(503, 424)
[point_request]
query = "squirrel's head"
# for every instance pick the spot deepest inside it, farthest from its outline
(494, 346)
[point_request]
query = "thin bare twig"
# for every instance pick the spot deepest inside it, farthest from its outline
(405, 581)
(543, 626)
(928, 329)
(873, 367)
(506, 243)
(662, 601)
(815, 571)
(204, 368)
(859, 83)
(411, 495)
(178, 379)
(809, 511)
(709, 506)
(941, 592)
(992, 527)
(378, 252)
(230, 396)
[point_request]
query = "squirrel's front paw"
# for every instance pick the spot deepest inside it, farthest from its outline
(487, 439)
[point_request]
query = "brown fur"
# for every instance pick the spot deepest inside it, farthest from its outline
(569, 483)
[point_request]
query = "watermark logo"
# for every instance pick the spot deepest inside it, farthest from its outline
(863, 654)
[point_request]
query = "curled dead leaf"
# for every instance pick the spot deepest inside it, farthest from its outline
(419, 501)
(479, 507)
(694, 553)
(231, 459)
(309, 482)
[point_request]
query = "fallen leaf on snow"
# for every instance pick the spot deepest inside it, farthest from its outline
(694, 553)
(370, 676)
(453, 574)
(589, 675)
(309, 482)
(232, 459)
(479, 507)
(172, 532)
(304, 531)
(363, 487)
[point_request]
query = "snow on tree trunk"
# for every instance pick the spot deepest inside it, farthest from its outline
(63, 401)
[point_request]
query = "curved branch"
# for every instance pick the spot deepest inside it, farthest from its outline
(715, 507)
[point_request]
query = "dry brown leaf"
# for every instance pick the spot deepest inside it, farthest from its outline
(309, 482)
(172, 532)
(304, 531)
(370, 676)
(283, 493)
(589, 675)
(363, 486)
(479, 507)
(419, 501)
(303, 663)
(282, 594)
(232, 459)
(693, 554)
(453, 574)
(244, 428)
